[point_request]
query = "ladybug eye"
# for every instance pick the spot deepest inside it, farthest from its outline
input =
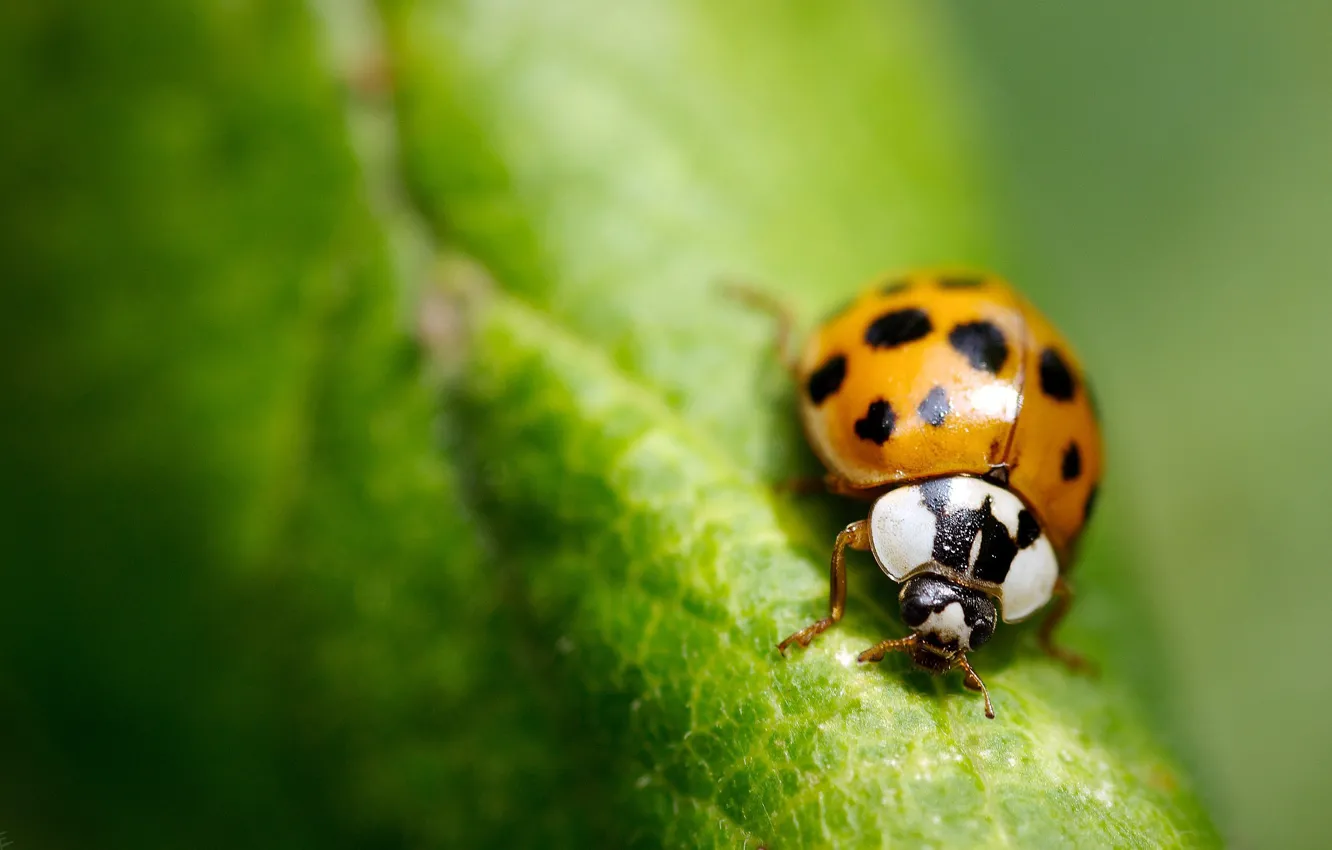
(914, 610)
(982, 631)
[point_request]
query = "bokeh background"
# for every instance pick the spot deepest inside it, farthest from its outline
(1162, 178)
(1167, 167)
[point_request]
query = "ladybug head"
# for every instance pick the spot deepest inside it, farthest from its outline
(948, 620)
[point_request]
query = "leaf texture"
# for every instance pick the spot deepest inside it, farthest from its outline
(620, 422)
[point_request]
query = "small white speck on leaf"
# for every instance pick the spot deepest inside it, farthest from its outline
(845, 658)
(1104, 797)
(564, 645)
(636, 705)
(643, 781)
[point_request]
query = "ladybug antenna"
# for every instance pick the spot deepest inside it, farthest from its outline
(974, 682)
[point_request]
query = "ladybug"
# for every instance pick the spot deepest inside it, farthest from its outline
(954, 406)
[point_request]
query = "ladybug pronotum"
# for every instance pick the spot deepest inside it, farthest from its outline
(959, 410)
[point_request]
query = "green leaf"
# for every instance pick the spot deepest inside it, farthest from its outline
(179, 222)
(621, 424)
(230, 613)
(244, 601)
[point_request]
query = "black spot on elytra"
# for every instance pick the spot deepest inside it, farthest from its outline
(877, 424)
(934, 407)
(898, 327)
(1072, 465)
(1028, 529)
(1057, 380)
(1091, 502)
(982, 344)
(960, 282)
(827, 379)
(893, 287)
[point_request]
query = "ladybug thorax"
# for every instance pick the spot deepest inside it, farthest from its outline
(973, 532)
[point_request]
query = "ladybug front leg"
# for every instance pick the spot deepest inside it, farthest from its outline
(879, 650)
(1045, 638)
(857, 536)
(784, 333)
(829, 483)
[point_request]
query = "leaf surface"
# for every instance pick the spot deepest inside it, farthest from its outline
(620, 424)
(244, 589)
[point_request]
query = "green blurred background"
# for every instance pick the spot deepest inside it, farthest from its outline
(1166, 167)
(1162, 176)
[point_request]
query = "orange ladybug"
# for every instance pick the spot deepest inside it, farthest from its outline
(956, 407)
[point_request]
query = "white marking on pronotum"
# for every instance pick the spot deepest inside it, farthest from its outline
(902, 532)
(971, 493)
(975, 547)
(1030, 581)
(968, 493)
(1006, 507)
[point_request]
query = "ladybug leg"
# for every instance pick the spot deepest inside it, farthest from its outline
(781, 315)
(805, 485)
(831, 483)
(857, 536)
(1045, 637)
(788, 353)
(879, 650)
(974, 682)
(839, 486)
